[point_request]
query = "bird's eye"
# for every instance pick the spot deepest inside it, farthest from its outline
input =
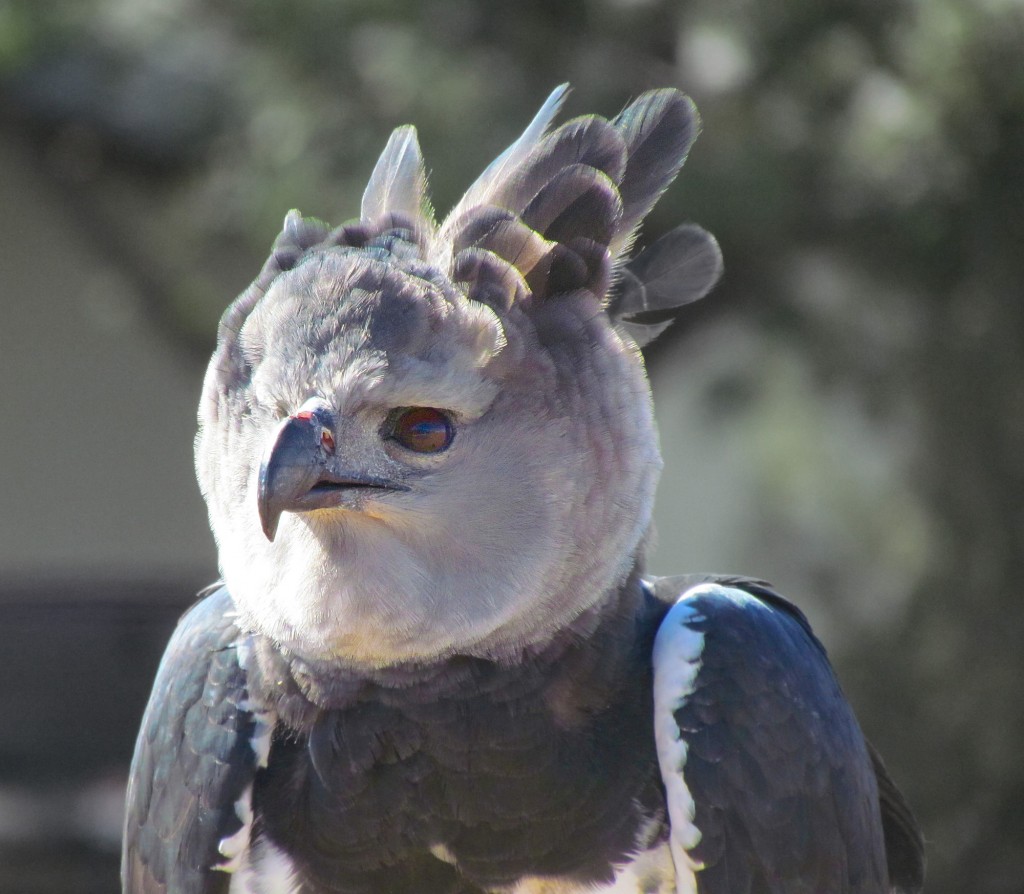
(423, 429)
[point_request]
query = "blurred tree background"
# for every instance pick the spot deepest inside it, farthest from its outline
(844, 415)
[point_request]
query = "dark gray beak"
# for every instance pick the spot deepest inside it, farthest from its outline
(300, 473)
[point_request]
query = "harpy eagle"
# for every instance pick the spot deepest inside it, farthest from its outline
(433, 665)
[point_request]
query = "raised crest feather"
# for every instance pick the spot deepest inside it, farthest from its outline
(559, 208)
(658, 128)
(498, 171)
(398, 184)
(589, 141)
(680, 268)
(583, 188)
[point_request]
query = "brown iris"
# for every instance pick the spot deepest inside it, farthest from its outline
(423, 429)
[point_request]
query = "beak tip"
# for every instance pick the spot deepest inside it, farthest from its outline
(268, 516)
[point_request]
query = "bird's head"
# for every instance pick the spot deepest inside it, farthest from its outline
(420, 440)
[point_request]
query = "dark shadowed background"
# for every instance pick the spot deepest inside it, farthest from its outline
(844, 416)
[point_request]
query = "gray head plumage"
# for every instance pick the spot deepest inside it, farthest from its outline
(517, 319)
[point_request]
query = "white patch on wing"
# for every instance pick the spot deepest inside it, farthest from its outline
(677, 652)
(265, 870)
(649, 872)
(235, 848)
(442, 853)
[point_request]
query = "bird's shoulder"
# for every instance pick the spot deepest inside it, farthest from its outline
(758, 746)
(195, 758)
(768, 781)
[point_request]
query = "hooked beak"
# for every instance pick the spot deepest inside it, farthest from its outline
(299, 473)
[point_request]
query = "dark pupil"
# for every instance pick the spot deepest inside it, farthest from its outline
(424, 430)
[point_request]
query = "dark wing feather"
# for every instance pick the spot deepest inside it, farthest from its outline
(904, 846)
(787, 795)
(193, 760)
